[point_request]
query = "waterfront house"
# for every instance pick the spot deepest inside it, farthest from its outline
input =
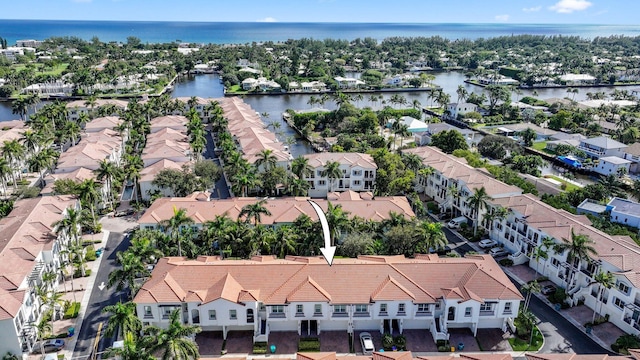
(77, 107)
(264, 295)
(612, 165)
(577, 79)
(456, 109)
(424, 137)
(358, 173)
(29, 248)
(624, 211)
(413, 125)
(602, 146)
(348, 83)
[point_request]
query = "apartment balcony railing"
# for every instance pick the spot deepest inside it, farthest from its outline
(487, 312)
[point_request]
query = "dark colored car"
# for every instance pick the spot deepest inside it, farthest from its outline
(52, 345)
(548, 289)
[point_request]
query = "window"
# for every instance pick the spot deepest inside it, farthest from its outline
(339, 310)
(619, 303)
(299, 309)
(383, 308)
(624, 288)
(467, 311)
(167, 310)
(357, 172)
(319, 172)
(321, 183)
(356, 182)
(277, 309)
(554, 262)
(486, 307)
(437, 306)
(147, 312)
(362, 308)
(422, 308)
(317, 309)
(401, 308)
(233, 315)
(507, 308)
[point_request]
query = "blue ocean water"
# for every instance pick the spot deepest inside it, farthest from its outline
(240, 33)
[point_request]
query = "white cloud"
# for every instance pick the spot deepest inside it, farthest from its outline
(503, 17)
(268, 19)
(532, 9)
(569, 6)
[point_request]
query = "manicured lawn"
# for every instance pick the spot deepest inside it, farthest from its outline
(570, 186)
(523, 345)
(539, 145)
(55, 71)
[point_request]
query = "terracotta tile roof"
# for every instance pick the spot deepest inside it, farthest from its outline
(168, 134)
(457, 168)
(485, 356)
(248, 129)
(101, 123)
(280, 281)
(316, 356)
(633, 149)
(392, 355)
(99, 102)
(150, 172)
(26, 232)
(619, 251)
(283, 210)
(176, 122)
(352, 159)
(572, 356)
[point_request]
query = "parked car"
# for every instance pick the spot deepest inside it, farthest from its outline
(487, 243)
(367, 343)
(497, 252)
(457, 222)
(548, 289)
(443, 215)
(52, 345)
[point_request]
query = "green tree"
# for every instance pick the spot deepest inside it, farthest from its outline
(173, 342)
(528, 136)
(478, 201)
(579, 248)
(449, 141)
(604, 280)
(131, 268)
(254, 211)
(123, 319)
(529, 288)
(175, 224)
(332, 172)
(132, 349)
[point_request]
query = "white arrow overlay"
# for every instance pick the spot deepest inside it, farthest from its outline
(328, 251)
(101, 286)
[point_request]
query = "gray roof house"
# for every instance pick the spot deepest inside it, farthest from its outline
(602, 146)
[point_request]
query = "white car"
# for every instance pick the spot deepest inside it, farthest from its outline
(498, 251)
(367, 343)
(487, 243)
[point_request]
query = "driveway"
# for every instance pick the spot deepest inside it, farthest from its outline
(209, 342)
(337, 341)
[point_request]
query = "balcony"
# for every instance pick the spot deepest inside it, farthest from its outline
(340, 314)
(361, 314)
(487, 312)
(277, 315)
(424, 313)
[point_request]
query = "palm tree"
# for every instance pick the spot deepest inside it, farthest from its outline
(255, 211)
(285, 241)
(337, 220)
(579, 248)
(539, 253)
(5, 173)
(462, 93)
(605, 280)
(478, 201)
(89, 196)
(145, 250)
(42, 161)
(174, 341)
(431, 236)
(132, 349)
(122, 318)
(107, 171)
(174, 224)
(242, 182)
(20, 107)
(131, 267)
(547, 243)
(70, 224)
(332, 172)
(13, 152)
(402, 130)
(301, 168)
(267, 159)
(50, 300)
(498, 213)
(530, 288)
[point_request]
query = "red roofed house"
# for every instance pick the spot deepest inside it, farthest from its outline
(306, 295)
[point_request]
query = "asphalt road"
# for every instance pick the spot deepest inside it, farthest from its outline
(101, 298)
(560, 335)
(221, 188)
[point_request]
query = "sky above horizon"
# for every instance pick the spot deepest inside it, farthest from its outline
(612, 12)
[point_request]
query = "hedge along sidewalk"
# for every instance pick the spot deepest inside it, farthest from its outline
(71, 342)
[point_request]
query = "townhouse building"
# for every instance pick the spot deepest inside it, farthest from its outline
(452, 181)
(283, 210)
(29, 247)
(358, 173)
(527, 222)
(303, 294)
(250, 134)
(77, 107)
(632, 153)
(407, 355)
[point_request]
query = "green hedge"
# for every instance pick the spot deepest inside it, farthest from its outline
(309, 345)
(260, 347)
(90, 254)
(72, 311)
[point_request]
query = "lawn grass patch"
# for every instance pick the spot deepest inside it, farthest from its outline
(523, 344)
(540, 146)
(567, 186)
(309, 345)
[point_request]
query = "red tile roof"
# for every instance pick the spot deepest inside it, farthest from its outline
(280, 281)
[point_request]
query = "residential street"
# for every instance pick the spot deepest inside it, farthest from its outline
(560, 335)
(100, 298)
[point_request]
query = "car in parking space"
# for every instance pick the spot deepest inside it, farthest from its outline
(51, 345)
(548, 289)
(367, 343)
(497, 252)
(487, 243)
